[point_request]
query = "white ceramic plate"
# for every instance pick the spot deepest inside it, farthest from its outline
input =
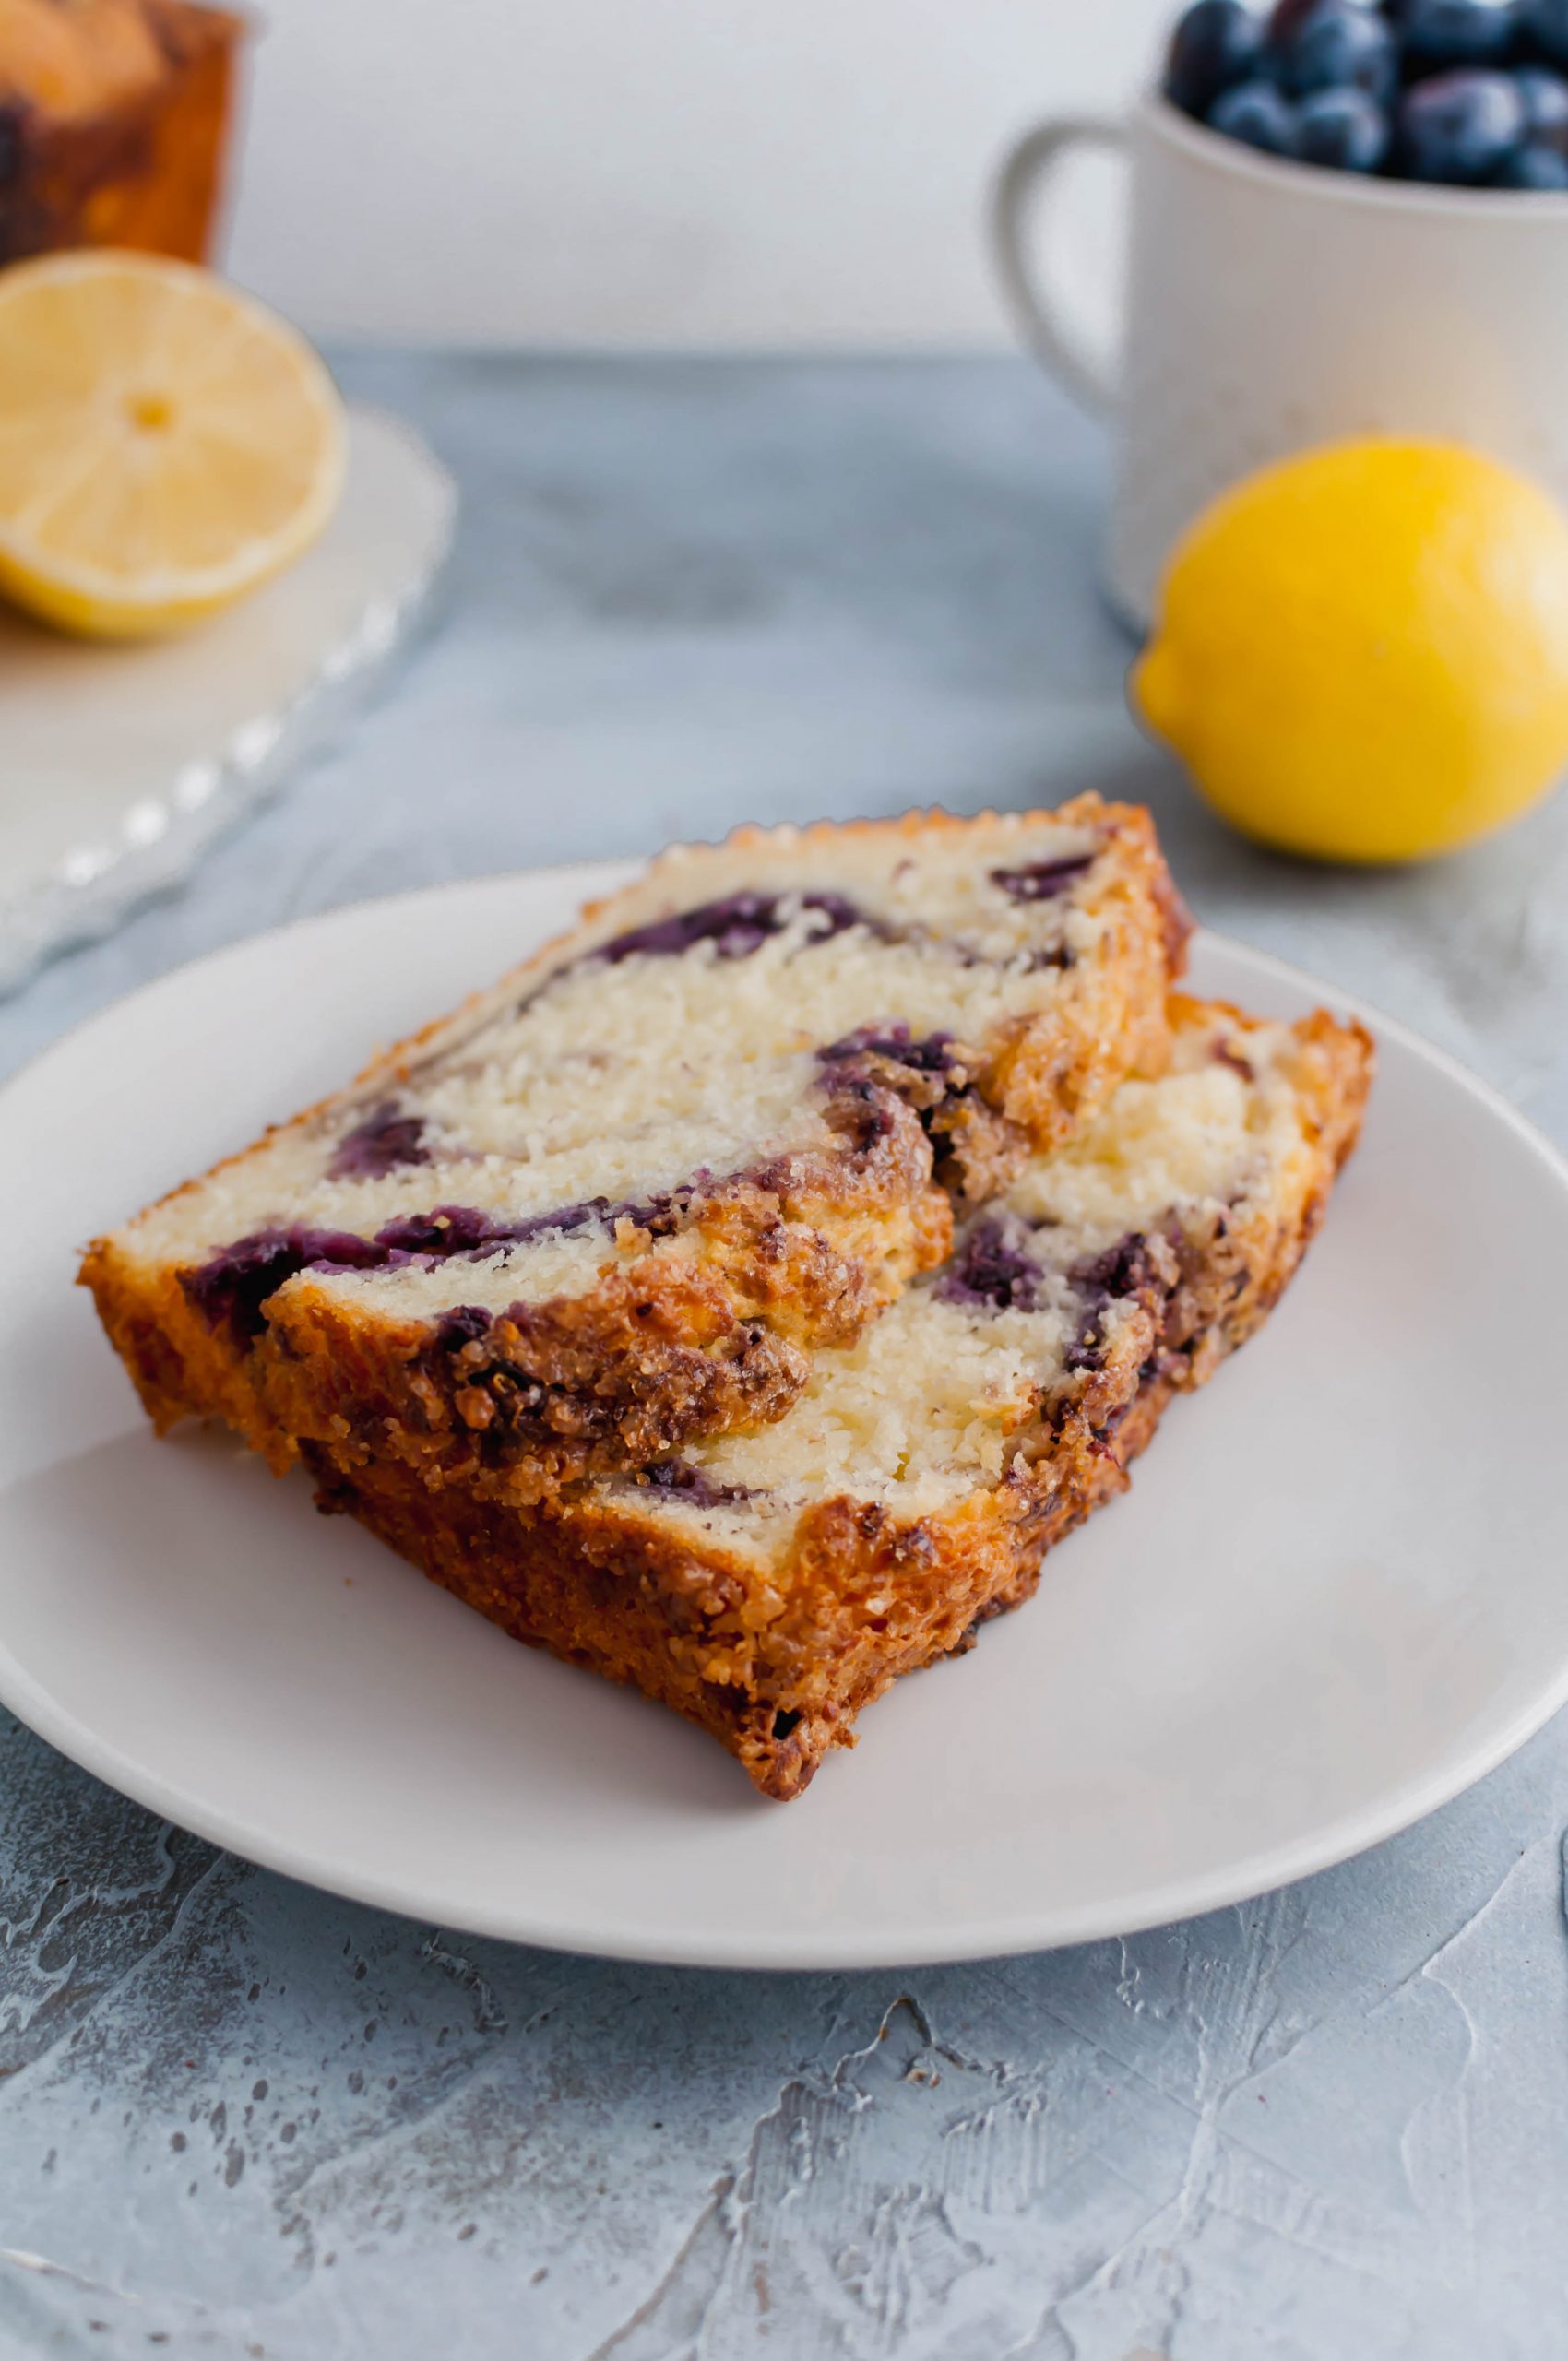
(1334, 1596)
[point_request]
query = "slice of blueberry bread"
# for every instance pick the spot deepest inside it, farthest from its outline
(611, 1205)
(770, 1583)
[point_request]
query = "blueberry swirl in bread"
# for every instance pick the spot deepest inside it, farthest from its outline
(612, 1205)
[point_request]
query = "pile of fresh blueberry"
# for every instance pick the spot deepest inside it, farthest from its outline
(1473, 92)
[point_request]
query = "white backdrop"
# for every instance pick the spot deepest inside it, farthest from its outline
(701, 173)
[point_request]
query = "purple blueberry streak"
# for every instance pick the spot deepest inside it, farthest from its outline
(993, 1269)
(678, 1479)
(467, 1325)
(230, 1288)
(1111, 1277)
(933, 1053)
(387, 1140)
(1042, 881)
(736, 925)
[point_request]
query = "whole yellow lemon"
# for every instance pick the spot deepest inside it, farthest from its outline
(1362, 654)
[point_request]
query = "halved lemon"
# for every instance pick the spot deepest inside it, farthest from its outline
(166, 443)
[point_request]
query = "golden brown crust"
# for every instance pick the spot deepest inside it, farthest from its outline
(551, 1393)
(1111, 1020)
(634, 1604)
(181, 1367)
(778, 1665)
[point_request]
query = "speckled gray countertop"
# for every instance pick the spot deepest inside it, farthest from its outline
(241, 2119)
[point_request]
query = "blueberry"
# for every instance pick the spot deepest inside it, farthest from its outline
(1459, 127)
(1346, 130)
(1337, 46)
(1457, 33)
(1546, 22)
(1217, 44)
(1545, 97)
(1533, 167)
(1287, 15)
(1257, 115)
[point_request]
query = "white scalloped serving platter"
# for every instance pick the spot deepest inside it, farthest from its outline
(123, 763)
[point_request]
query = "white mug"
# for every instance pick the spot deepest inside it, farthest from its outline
(1270, 306)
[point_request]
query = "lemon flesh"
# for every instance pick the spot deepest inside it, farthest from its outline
(1362, 654)
(166, 443)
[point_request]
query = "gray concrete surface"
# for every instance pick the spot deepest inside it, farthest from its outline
(238, 2119)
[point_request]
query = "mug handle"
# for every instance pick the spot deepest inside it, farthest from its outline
(1057, 342)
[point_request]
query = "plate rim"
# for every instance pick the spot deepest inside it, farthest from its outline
(1026, 1930)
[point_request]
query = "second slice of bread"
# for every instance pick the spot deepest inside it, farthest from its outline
(769, 1583)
